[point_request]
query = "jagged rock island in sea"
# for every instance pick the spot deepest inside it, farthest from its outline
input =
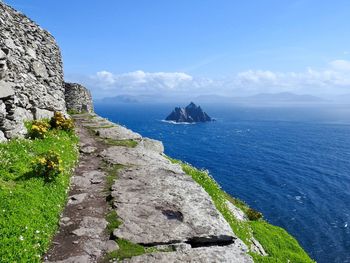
(191, 114)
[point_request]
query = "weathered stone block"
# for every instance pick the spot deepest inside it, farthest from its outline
(2, 137)
(6, 89)
(42, 114)
(78, 98)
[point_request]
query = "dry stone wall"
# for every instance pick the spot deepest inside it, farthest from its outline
(31, 74)
(78, 98)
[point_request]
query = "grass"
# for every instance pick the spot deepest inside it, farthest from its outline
(75, 112)
(113, 221)
(128, 249)
(29, 206)
(112, 174)
(280, 246)
(126, 143)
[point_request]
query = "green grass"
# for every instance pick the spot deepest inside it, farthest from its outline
(75, 112)
(128, 249)
(113, 221)
(126, 143)
(112, 174)
(30, 207)
(279, 245)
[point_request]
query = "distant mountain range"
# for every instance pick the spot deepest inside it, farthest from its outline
(264, 98)
(261, 99)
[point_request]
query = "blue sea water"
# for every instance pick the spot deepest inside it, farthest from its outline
(292, 164)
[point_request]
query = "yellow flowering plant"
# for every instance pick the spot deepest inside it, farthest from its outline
(38, 129)
(48, 166)
(59, 121)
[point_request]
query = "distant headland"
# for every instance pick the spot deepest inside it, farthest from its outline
(191, 114)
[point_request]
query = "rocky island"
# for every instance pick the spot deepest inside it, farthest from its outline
(191, 114)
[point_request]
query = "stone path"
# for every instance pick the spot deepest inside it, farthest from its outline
(82, 236)
(159, 205)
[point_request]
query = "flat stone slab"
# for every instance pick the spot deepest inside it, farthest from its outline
(159, 206)
(117, 133)
(139, 156)
(88, 178)
(90, 226)
(224, 254)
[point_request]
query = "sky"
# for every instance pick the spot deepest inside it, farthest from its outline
(199, 47)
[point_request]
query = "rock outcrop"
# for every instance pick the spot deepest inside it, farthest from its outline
(78, 98)
(192, 113)
(158, 204)
(31, 75)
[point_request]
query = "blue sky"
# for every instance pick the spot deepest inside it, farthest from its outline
(200, 46)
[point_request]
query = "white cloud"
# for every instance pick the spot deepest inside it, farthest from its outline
(139, 81)
(341, 65)
(333, 79)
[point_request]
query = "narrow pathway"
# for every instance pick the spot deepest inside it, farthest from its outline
(82, 237)
(157, 204)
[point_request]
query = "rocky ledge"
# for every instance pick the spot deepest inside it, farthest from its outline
(158, 205)
(192, 113)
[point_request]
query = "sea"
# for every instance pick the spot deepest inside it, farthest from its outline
(290, 163)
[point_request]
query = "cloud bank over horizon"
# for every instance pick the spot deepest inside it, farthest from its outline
(334, 79)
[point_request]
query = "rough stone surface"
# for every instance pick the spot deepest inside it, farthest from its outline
(152, 145)
(256, 247)
(192, 113)
(88, 149)
(238, 213)
(138, 156)
(117, 133)
(78, 98)
(2, 137)
(111, 245)
(158, 204)
(6, 90)
(90, 226)
(42, 114)
(77, 199)
(155, 207)
(31, 75)
(229, 254)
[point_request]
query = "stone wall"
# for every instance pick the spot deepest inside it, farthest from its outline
(78, 98)
(31, 74)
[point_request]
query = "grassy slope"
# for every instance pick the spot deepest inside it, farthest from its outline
(279, 245)
(29, 207)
